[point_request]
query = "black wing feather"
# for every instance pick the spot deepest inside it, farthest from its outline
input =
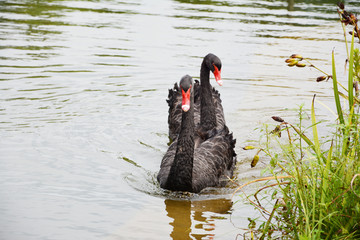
(214, 161)
(174, 102)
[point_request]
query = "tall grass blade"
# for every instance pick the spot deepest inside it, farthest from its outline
(326, 171)
(325, 181)
(321, 198)
(336, 91)
(351, 73)
(315, 131)
(304, 137)
(313, 172)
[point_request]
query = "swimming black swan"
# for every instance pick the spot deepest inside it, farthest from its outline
(186, 168)
(208, 110)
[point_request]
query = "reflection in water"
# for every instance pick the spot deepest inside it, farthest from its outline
(180, 211)
(36, 21)
(83, 115)
(290, 5)
(186, 214)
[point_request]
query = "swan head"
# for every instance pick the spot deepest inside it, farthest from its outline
(186, 84)
(214, 64)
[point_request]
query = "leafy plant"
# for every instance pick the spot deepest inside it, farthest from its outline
(314, 190)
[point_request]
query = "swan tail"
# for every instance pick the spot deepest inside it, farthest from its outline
(196, 91)
(174, 118)
(231, 160)
(172, 97)
(174, 103)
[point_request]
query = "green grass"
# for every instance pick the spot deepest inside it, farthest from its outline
(314, 190)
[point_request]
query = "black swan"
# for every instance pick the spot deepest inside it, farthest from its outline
(186, 168)
(207, 103)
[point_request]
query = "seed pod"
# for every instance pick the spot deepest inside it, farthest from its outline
(296, 56)
(346, 21)
(355, 33)
(341, 5)
(255, 161)
(291, 60)
(321, 78)
(277, 131)
(353, 18)
(301, 64)
(248, 147)
(356, 86)
(293, 63)
(278, 119)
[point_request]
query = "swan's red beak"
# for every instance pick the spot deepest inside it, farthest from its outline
(217, 74)
(185, 104)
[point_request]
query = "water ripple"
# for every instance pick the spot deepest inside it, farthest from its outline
(83, 114)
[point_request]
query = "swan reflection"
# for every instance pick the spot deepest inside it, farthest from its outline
(196, 219)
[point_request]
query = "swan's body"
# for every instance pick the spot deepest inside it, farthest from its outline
(207, 102)
(185, 167)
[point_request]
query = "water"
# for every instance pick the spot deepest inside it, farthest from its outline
(83, 117)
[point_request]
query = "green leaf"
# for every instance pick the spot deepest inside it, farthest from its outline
(304, 137)
(314, 128)
(336, 91)
(351, 74)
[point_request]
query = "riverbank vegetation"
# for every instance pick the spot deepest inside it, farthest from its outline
(313, 191)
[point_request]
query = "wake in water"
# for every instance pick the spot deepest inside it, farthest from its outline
(145, 181)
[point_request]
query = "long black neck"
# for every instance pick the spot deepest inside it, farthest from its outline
(207, 107)
(180, 176)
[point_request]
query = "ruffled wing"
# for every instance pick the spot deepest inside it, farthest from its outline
(214, 161)
(174, 101)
